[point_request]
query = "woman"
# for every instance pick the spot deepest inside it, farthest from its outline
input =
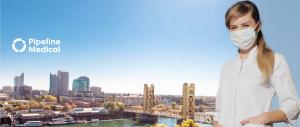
(249, 82)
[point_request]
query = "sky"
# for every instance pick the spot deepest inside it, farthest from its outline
(122, 44)
(119, 45)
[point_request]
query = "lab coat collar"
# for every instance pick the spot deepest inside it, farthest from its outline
(251, 56)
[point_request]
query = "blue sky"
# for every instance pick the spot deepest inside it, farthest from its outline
(121, 45)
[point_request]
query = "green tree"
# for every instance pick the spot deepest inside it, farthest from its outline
(120, 106)
(114, 106)
(109, 105)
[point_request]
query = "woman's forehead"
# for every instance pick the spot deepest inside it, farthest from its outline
(243, 19)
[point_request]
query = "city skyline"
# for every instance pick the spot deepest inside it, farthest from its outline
(71, 84)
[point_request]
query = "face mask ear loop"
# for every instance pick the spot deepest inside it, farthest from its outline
(257, 24)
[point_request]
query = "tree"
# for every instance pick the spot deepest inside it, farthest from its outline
(14, 103)
(188, 123)
(114, 105)
(23, 107)
(50, 98)
(53, 107)
(47, 107)
(39, 99)
(67, 107)
(35, 105)
(73, 105)
(120, 106)
(109, 105)
(8, 109)
(173, 105)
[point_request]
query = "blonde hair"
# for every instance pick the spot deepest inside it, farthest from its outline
(265, 55)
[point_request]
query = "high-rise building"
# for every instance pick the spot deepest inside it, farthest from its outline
(53, 84)
(63, 83)
(59, 84)
(25, 92)
(18, 81)
(188, 101)
(7, 89)
(38, 93)
(21, 91)
(96, 91)
(148, 97)
(81, 85)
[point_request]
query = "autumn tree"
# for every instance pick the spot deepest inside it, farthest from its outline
(35, 105)
(67, 107)
(188, 123)
(50, 98)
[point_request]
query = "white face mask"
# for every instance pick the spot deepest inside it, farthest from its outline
(244, 39)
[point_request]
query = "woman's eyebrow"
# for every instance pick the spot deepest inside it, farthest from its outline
(246, 23)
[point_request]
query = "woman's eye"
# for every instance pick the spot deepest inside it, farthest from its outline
(245, 26)
(233, 28)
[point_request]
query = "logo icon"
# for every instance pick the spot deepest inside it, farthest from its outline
(13, 45)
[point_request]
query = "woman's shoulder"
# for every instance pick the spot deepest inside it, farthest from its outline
(280, 63)
(279, 59)
(278, 56)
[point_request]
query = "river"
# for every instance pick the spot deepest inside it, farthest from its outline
(128, 123)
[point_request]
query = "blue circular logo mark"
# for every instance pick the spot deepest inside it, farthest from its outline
(13, 45)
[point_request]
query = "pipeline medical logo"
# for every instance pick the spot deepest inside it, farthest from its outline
(33, 45)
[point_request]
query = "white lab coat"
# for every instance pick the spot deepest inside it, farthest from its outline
(242, 93)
